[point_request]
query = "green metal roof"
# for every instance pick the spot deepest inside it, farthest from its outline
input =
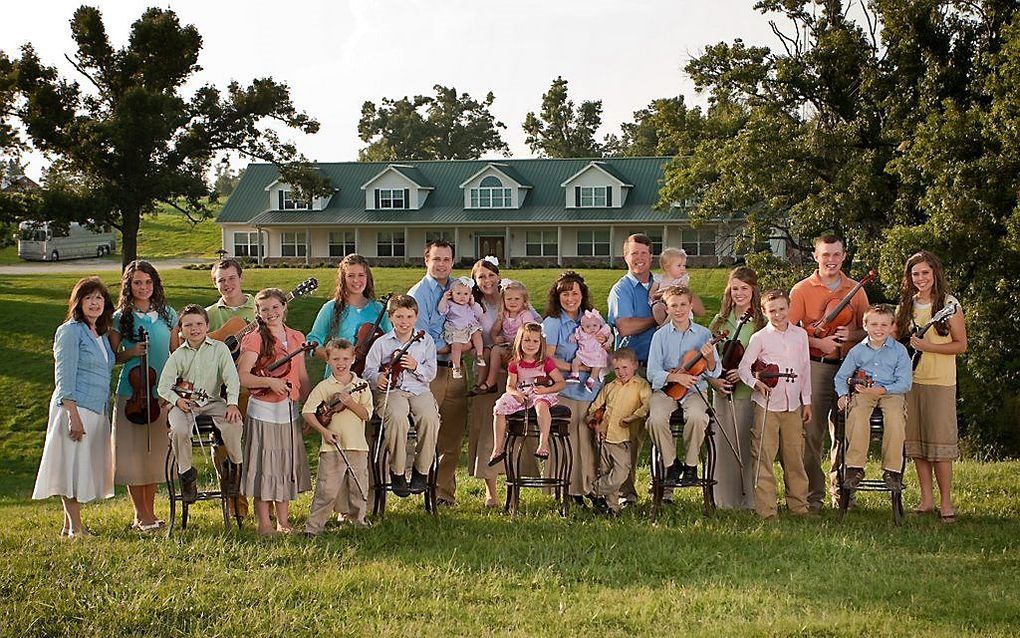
(544, 202)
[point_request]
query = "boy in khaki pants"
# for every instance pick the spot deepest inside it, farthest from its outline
(625, 402)
(352, 398)
(780, 412)
(886, 366)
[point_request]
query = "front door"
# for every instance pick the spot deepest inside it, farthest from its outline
(491, 245)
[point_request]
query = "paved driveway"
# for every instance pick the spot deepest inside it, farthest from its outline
(85, 266)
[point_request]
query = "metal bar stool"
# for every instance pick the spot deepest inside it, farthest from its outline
(706, 482)
(523, 425)
(206, 434)
(876, 429)
(379, 462)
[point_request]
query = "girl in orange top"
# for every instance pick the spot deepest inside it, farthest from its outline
(275, 460)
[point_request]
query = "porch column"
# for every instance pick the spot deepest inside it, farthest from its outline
(506, 244)
(357, 240)
(612, 246)
(406, 243)
(258, 230)
(456, 239)
(559, 246)
(665, 238)
(308, 244)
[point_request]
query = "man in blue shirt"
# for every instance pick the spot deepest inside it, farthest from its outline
(665, 357)
(887, 375)
(629, 311)
(450, 393)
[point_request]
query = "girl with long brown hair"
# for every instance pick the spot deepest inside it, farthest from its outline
(731, 399)
(275, 460)
(932, 439)
(140, 450)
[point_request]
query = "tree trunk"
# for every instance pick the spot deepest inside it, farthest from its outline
(129, 237)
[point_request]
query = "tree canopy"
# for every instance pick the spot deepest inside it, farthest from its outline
(447, 126)
(126, 138)
(560, 130)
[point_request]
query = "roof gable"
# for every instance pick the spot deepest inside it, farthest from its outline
(602, 166)
(408, 172)
(505, 170)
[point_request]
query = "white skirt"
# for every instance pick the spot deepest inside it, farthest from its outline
(82, 470)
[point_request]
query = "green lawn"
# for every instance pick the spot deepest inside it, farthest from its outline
(473, 572)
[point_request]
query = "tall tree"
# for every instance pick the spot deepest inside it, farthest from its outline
(447, 126)
(131, 139)
(560, 130)
(666, 127)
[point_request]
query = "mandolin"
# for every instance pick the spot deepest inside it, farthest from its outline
(366, 336)
(940, 317)
(837, 313)
(391, 369)
(236, 328)
(693, 364)
(334, 405)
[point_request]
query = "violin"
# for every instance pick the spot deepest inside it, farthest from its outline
(186, 390)
(693, 364)
(236, 328)
(142, 407)
(279, 368)
(334, 405)
(537, 382)
(860, 379)
(366, 336)
(391, 370)
(837, 313)
(733, 349)
(770, 374)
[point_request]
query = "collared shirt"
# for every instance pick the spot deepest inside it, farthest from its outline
(669, 345)
(208, 366)
(557, 331)
(622, 400)
(82, 367)
(788, 349)
(809, 297)
(628, 298)
(220, 313)
(346, 424)
(427, 293)
(888, 365)
(350, 320)
(423, 352)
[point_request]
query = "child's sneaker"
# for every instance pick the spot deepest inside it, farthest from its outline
(573, 378)
(590, 384)
(457, 374)
(480, 362)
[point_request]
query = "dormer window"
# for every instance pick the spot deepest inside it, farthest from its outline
(287, 202)
(491, 194)
(387, 198)
(594, 196)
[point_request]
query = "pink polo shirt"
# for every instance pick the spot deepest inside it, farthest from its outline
(789, 350)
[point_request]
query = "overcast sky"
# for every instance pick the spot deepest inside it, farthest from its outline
(335, 55)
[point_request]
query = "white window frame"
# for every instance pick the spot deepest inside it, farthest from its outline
(251, 244)
(391, 244)
(590, 197)
(693, 241)
(389, 196)
(289, 203)
(488, 196)
(543, 242)
(596, 242)
(444, 235)
(296, 242)
(346, 243)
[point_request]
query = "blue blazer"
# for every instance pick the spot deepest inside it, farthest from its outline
(80, 373)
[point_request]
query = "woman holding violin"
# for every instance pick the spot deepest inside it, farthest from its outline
(353, 313)
(740, 315)
(932, 440)
(143, 335)
(272, 367)
(77, 462)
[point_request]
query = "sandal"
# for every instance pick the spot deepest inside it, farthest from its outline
(917, 511)
(481, 388)
(496, 460)
(948, 519)
(542, 454)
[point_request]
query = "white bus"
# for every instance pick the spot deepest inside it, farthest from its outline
(46, 242)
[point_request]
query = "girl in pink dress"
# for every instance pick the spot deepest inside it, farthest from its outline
(516, 312)
(592, 339)
(533, 381)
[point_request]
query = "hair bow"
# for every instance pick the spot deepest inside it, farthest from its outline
(466, 281)
(594, 312)
(491, 259)
(505, 282)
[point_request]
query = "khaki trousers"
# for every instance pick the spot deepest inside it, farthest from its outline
(335, 483)
(695, 423)
(638, 431)
(823, 399)
(858, 429)
(395, 409)
(615, 466)
(451, 396)
(182, 426)
(582, 448)
(782, 432)
(734, 485)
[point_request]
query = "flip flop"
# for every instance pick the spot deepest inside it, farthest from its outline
(948, 518)
(496, 460)
(917, 511)
(542, 455)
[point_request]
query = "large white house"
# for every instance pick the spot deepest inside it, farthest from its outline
(546, 211)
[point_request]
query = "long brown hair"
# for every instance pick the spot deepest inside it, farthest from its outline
(517, 353)
(487, 265)
(126, 302)
(749, 277)
(84, 288)
(562, 284)
(340, 293)
(905, 312)
(268, 349)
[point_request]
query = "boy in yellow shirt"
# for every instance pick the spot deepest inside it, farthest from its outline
(623, 402)
(338, 477)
